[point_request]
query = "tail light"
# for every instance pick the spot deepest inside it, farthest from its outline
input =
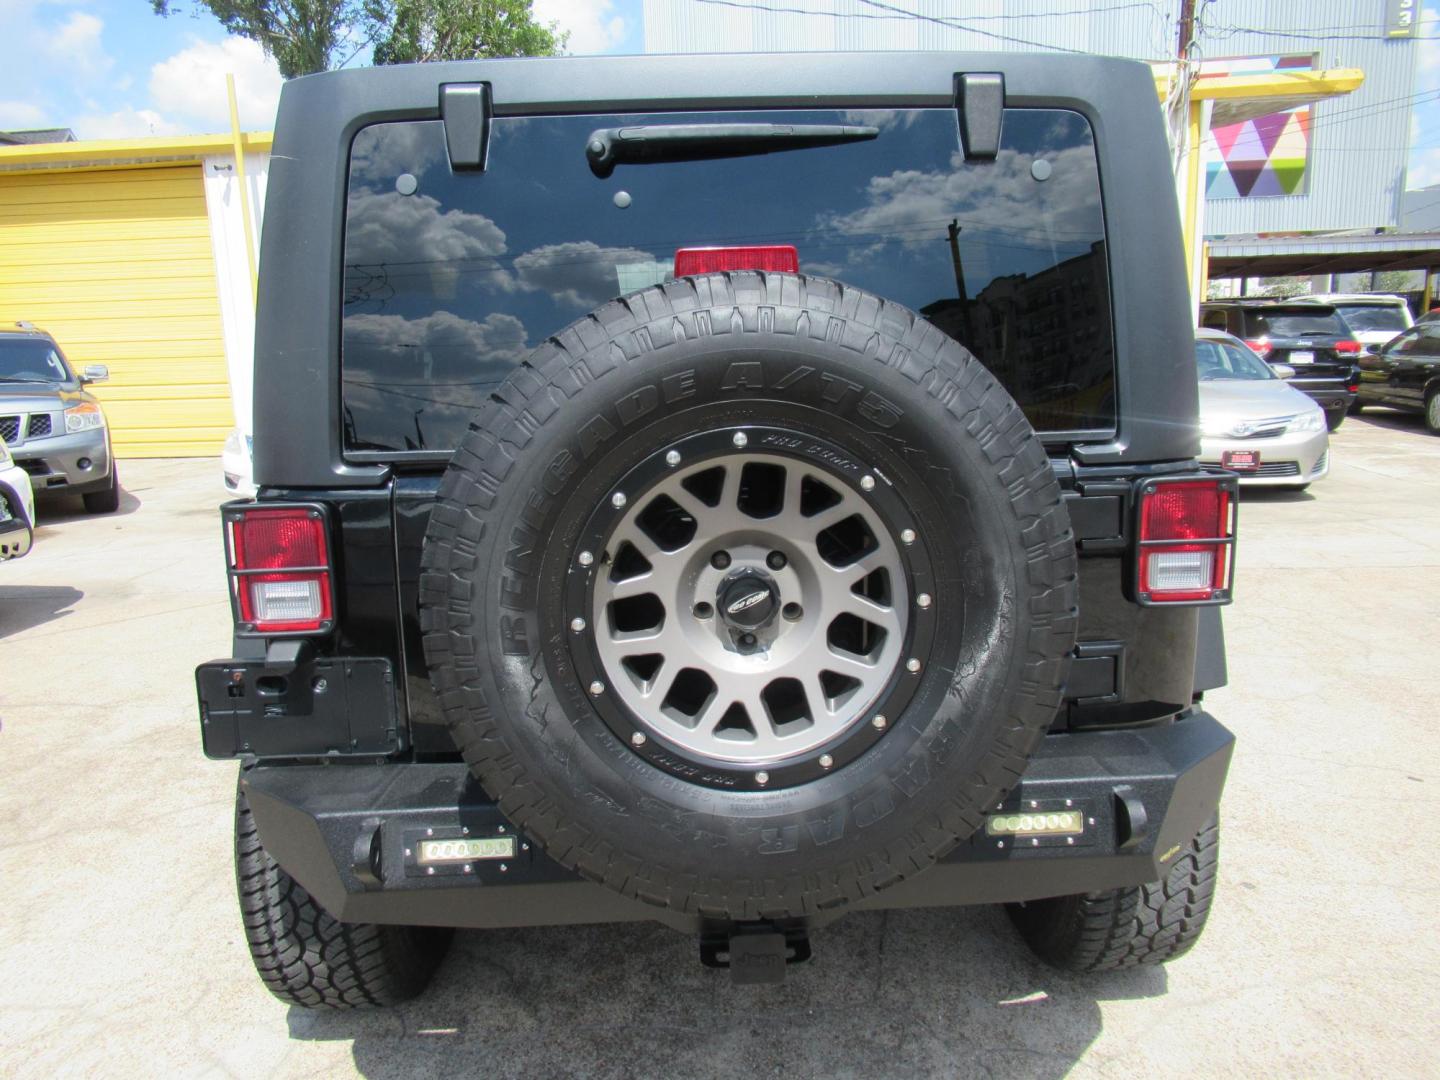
(1186, 540)
(1348, 347)
(782, 258)
(1259, 345)
(281, 580)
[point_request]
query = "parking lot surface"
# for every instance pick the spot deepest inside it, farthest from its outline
(122, 951)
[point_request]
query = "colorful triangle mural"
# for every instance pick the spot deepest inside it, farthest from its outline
(1261, 158)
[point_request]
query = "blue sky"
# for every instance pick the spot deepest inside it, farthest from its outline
(112, 69)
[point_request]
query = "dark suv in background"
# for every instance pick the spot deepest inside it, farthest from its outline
(727, 491)
(54, 426)
(1312, 338)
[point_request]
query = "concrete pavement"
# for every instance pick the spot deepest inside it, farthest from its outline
(121, 951)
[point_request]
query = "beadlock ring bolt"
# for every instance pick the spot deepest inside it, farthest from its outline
(923, 600)
(907, 536)
(617, 500)
(672, 458)
(586, 558)
(740, 438)
(577, 624)
(762, 778)
(867, 483)
(912, 665)
(826, 761)
(597, 688)
(879, 723)
(637, 739)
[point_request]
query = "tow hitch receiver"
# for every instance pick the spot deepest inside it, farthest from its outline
(755, 953)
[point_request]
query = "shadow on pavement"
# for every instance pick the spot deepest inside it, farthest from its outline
(1274, 495)
(26, 606)
(915, 992)
(1392, 420)
(54, 509)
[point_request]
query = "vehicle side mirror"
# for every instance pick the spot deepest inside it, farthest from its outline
(95, 373)
(1285, 371)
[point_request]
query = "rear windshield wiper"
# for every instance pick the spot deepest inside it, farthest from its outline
(608, 147)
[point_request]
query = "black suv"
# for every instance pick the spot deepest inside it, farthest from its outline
(1310, 337)
(628, 547)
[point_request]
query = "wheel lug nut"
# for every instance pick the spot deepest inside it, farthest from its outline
(879, 723)
(912, 665)
(703, 610)
(597, 688)
(720, 560)
(867, 483)
(740, 438)
(617, 500)
(775, 560)
(792, 611)
(577, 624)
(747, 640)
(672, 458)
(923, 600)
(907, 536)
(826, 761)
(586, 558)
(762, 778)
(637, 739)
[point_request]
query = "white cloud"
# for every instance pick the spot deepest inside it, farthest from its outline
(19, 115)
(125, 123)
(77, 45)
(593, 25)
(1424, 168)
(191, 85)
(578, 272)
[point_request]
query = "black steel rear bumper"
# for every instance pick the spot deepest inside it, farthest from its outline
(349, 834)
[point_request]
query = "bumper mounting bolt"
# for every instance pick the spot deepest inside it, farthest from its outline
(597, 688)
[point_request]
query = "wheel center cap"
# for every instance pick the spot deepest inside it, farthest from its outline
(747, 602)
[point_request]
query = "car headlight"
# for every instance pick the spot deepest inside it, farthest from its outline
(83, 417)
(1314, 420)
(1215, 427)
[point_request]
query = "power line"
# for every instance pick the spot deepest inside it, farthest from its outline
(900, 15)
(952, 25)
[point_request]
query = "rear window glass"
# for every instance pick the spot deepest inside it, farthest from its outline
(1295, 323)
(452, 278)
(1363, 318)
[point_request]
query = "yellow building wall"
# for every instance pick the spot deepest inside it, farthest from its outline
(116, 263)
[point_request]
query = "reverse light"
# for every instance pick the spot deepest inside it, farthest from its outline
(1186, 540)
(1348, 347)
(280, 574)
(84, 417)
(782, 258)
(1260, 346)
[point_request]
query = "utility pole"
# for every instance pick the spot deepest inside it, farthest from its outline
(1187, 29)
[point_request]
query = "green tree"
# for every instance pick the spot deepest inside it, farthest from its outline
(304, 36)
(421, 30)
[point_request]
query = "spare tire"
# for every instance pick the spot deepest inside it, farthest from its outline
(748, 594)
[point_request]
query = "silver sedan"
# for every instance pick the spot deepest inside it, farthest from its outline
(1251, 422)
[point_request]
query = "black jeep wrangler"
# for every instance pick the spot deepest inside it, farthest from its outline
(731, 491)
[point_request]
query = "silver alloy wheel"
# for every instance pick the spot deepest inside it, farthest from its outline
(1432, 412)
(752, 607)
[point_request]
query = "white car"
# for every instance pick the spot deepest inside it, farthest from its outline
(1251, 422)
(1374, 318)
(17, 507)
(235, 464)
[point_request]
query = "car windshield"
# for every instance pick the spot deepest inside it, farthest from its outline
(31, 360)
(1296, 322)
(1367, 317)
(1219, 360)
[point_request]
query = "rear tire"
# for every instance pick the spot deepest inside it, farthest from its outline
(1334, 418)
(1356, 408)
(1432, 412)
(306, 958)
(1121, 928)
(107, 501)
